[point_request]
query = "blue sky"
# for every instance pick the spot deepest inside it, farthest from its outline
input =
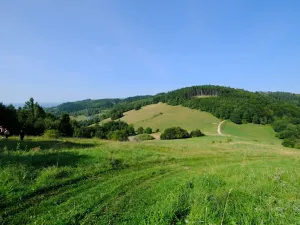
(58, 51)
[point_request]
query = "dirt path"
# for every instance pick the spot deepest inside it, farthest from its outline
(220, 127)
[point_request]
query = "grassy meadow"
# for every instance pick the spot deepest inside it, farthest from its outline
(207, 180)
(161, 116)
(250, 131)
(79, 118)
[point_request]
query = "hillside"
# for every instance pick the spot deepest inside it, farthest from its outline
(161, 116)
(237, 105)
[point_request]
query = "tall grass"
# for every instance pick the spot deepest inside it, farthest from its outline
(155, 182)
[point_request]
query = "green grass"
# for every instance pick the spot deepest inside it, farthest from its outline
(162, 116)
(193, 181)
(250, 131)
(79, 118)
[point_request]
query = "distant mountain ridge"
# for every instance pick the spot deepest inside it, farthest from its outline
(90, 107)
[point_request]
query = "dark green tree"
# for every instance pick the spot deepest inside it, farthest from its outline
(140, 130)
(148, 130)
(174, 133)
(65, 127)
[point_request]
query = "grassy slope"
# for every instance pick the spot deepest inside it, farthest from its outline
(250, 131)
(79, 118)
(157, 182)
(149, 116)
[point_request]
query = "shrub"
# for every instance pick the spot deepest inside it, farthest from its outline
(144, 137)
(196, 133)
(289, 143)
(53, 134)
(157, 130)
(118, 135)
(228, 140)
(174, 133)
(140, 130)
(148, 130)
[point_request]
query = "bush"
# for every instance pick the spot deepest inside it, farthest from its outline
(196, 133)
(289, 143)
(228, 140)
(148, 130)
(174, 133)
(118, 135)
(53, 134)
(144, 137)
(140, 130)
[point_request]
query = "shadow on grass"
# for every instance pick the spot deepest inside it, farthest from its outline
(43, 159)
(26, 145)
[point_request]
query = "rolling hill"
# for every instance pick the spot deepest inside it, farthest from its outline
(279, 109)
(161, 116)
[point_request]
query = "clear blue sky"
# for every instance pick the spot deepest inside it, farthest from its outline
(69, 50)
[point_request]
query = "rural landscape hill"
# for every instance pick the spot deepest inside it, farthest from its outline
(197, 155)
(198, 107)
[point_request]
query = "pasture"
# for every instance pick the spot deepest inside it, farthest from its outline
(250, 131)
(161, 116)
(207, 180)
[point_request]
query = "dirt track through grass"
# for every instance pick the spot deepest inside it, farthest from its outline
(220, 127)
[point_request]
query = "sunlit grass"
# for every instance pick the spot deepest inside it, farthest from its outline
(207, 180)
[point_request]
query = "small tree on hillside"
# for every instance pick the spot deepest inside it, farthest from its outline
(148, 130)
(140, 130)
